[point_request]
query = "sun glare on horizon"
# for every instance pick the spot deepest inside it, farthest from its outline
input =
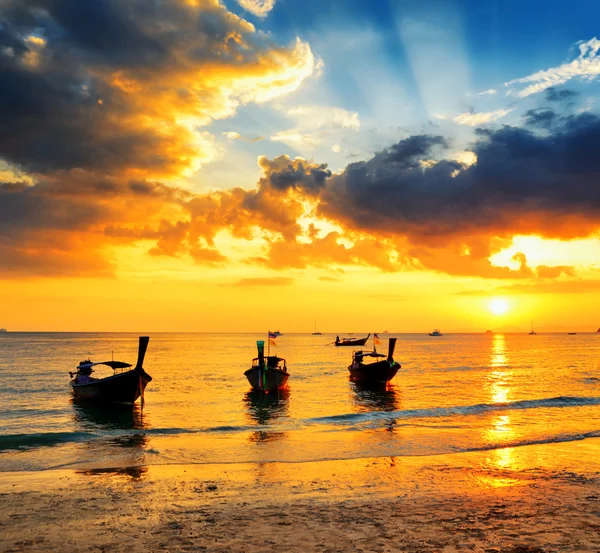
(498, 306)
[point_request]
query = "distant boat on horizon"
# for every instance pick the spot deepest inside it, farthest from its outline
(351, 341)
(489, 332)
(436, 332)
(277, 333)
(533, 332)
(572, 333)
(315, 333)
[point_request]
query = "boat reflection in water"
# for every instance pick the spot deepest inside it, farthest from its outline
(376, 397)
(369, 398)
(133, 472)
(89, 416)
(264, 408)
(116, 444)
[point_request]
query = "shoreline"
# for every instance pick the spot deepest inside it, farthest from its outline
(535, 499)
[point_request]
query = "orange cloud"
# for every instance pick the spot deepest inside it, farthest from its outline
(117, 98)
(571, 286)
(273, 281)
(115, 109)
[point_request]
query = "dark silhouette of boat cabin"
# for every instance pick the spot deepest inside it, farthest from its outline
(123, 386)
(380, 371)
(268, 373)
(351, 341)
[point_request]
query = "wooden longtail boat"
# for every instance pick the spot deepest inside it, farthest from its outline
(378, 372)
(351, 341)
(123, 387)
(267, 373)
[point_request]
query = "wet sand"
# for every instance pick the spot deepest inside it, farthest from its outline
(531, 499)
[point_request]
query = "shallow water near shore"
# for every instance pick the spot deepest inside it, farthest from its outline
(455, 393)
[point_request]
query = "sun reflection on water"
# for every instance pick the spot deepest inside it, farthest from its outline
(500, 430)
(497, 381)
(498, 358)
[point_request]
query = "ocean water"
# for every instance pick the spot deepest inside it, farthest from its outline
(455, 393)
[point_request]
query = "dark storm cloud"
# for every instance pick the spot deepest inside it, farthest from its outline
(48, 122)
(559, 95)
(541, 117)
(50, 110)
(102, 99)
(407, 153)
(522, 182)
(309, 179)
(126, 34)
(392, 190)
(23, 208)
(103, 84)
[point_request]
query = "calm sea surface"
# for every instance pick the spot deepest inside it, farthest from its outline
(454, 393)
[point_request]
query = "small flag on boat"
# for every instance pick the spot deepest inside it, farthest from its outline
(376, 339)
(272, 337)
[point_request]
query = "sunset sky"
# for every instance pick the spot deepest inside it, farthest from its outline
(196, 165)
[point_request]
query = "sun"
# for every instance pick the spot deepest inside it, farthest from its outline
(498, 306)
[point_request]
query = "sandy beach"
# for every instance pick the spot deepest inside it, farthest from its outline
(519, 500)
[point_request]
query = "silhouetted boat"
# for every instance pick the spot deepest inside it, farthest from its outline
(436, 332)
(572, 333)
(315, 333)
(277, 333)
(377, 372)
(351, 341)
(123, 387)
(489, 332)
(533, 332)
(267, 373)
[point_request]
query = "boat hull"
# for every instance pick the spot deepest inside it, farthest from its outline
(124, 388)
(266, 380)
(380, 372)
(358, 342)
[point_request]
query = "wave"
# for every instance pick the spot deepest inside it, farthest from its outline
(560, 438)
(321, 456)
(462, 410)
(349, 422)
(44, 439)
(50, 439)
